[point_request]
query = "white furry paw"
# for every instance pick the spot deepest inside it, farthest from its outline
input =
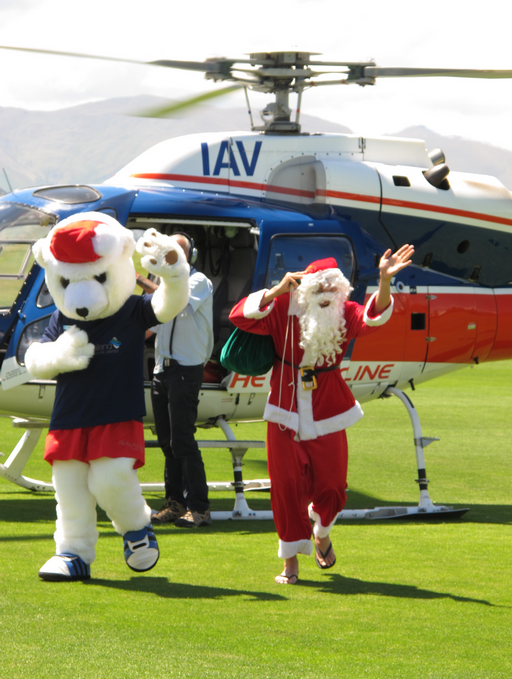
(76, 350)
(71, 351)
(161, 255)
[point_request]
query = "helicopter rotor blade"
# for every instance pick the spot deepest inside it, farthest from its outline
(384, 72)
(169, 110)
(215, 65)
(70, 54)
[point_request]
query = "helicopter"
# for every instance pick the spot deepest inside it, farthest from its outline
(261, 203)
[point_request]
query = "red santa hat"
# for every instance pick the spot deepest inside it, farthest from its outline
(73, 243)
(322, 265)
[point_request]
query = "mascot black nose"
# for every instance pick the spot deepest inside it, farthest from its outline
(83, 312)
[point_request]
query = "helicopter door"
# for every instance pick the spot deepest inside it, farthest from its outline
(453, 322)
(411, 302)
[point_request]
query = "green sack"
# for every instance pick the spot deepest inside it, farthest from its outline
(247, 353)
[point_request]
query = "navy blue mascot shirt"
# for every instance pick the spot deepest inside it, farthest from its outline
(111, 388)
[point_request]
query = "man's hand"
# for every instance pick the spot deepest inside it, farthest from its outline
(390, 264)
(289, 282)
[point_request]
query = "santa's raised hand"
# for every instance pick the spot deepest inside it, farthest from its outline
(390, 264)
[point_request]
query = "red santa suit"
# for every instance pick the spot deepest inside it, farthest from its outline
(306, 440)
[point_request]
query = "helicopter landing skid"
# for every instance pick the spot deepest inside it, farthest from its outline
(237, 448)
(15, 463)
(426, 509)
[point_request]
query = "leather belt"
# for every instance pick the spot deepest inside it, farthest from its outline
(308, 373)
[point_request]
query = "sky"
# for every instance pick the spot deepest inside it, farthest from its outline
(449, 33)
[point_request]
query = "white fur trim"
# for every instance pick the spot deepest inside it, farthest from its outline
(318, 530)
(307, 428)
(288, 419)
(339, 422)
(383, 317)
(252, 305)
(303, 423)
(312, 514)
(288, 550)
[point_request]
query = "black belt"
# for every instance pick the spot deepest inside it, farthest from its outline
(170, 361)
(308, 373)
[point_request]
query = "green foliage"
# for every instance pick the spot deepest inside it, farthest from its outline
(406, 600)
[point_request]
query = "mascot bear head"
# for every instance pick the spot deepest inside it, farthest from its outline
(88, 263)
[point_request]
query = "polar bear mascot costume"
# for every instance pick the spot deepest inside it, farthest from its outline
(94, 347)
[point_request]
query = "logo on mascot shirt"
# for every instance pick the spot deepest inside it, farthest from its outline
(111, 348)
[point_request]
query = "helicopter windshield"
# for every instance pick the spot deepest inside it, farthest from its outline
(295, 252)
(20, 227)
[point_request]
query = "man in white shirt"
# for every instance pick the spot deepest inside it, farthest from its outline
(182, 348)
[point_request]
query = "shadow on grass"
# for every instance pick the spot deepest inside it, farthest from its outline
(180, 590)
(30, 507)
(499, 514)
(340, 584)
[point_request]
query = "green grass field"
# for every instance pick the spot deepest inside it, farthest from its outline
(405, 599)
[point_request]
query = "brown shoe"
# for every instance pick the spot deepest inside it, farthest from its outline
(194, 519)
(171, 511)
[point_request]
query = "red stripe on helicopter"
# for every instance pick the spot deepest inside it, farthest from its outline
(225, 182)
(356, 197)
(415, 206)
(348, 196)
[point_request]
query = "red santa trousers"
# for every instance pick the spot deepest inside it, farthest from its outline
(302, 472)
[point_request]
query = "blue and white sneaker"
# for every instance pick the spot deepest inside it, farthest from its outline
(65, 568)
(141, 549)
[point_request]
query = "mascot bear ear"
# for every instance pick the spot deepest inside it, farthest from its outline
(129, 244)
(38, 251)
(114, 244)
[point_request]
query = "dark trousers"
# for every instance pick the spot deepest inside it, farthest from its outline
(175, 397)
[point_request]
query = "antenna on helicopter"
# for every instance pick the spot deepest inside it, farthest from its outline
(7, 180)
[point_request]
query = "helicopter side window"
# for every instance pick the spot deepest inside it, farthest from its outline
(20, 227)
(32, 333)
(471, 253)
(295, 252)
(44, 298)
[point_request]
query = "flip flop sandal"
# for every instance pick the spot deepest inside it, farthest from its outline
(324, 557)
(288, 579)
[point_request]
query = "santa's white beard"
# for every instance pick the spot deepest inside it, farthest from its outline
(322, 328)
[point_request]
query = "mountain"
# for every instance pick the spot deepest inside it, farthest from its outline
(89, 143)
(464, 155)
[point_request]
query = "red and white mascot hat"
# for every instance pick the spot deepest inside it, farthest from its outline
(88, 262)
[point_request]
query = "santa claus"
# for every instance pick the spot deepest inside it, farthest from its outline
(309, 406)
